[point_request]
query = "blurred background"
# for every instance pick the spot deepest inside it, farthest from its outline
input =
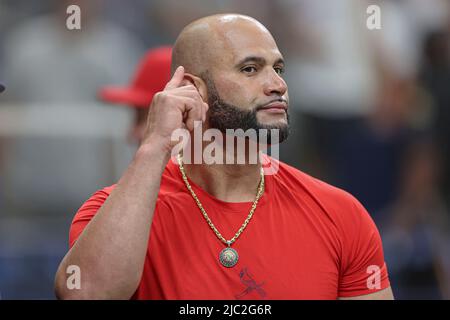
(370, 113)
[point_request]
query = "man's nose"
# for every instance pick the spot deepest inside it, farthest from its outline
(275, 84)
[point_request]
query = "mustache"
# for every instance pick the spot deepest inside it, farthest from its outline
(280, 99)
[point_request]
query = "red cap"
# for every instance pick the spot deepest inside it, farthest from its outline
(151, 77)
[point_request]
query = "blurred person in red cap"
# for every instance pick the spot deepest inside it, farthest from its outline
(152, 74)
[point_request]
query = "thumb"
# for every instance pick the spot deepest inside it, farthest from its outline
(176, 80)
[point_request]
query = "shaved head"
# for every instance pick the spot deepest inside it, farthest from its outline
(206, 41)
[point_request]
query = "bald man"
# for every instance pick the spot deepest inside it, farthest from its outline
(170, 229)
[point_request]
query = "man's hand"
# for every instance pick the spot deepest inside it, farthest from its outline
(177, 106)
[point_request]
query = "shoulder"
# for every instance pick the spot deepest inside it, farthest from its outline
(88, 210)
(338, 205)
(359, 242)
(93, 203)
(286, 176)
(170, 184)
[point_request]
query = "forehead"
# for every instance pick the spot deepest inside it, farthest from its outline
(242, 39)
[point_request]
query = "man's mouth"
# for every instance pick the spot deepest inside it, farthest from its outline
(274, 107)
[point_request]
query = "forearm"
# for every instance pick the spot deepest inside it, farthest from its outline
(111, 250)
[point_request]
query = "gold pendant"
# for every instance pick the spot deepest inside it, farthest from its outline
(228, 257)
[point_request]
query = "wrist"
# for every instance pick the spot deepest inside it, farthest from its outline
(155, 150)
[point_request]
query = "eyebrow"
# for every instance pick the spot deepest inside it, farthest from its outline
(258, 60)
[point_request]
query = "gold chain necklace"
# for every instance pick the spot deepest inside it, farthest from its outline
(228, 256)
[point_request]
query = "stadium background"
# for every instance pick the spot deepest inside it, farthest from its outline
(370, 113)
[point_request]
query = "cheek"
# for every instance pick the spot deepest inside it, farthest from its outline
(238, 94)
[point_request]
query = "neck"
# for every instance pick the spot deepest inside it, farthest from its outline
(230, 182)
(227, 182)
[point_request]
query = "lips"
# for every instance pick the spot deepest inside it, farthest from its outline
(275, 107)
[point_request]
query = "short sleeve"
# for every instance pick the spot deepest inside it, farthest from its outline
(363, 269)
(86, 212)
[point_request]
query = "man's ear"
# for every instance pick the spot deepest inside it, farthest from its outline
(199, 84)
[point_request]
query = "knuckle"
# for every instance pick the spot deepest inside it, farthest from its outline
(164, 97)
(158, 96)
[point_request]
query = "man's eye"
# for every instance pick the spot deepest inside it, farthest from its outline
(279, 70)
(249, 69)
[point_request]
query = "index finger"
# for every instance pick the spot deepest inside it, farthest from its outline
(176, 80)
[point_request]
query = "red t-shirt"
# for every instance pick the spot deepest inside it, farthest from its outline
(306, 240)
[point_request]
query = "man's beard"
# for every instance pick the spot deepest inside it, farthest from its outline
(223, 116)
